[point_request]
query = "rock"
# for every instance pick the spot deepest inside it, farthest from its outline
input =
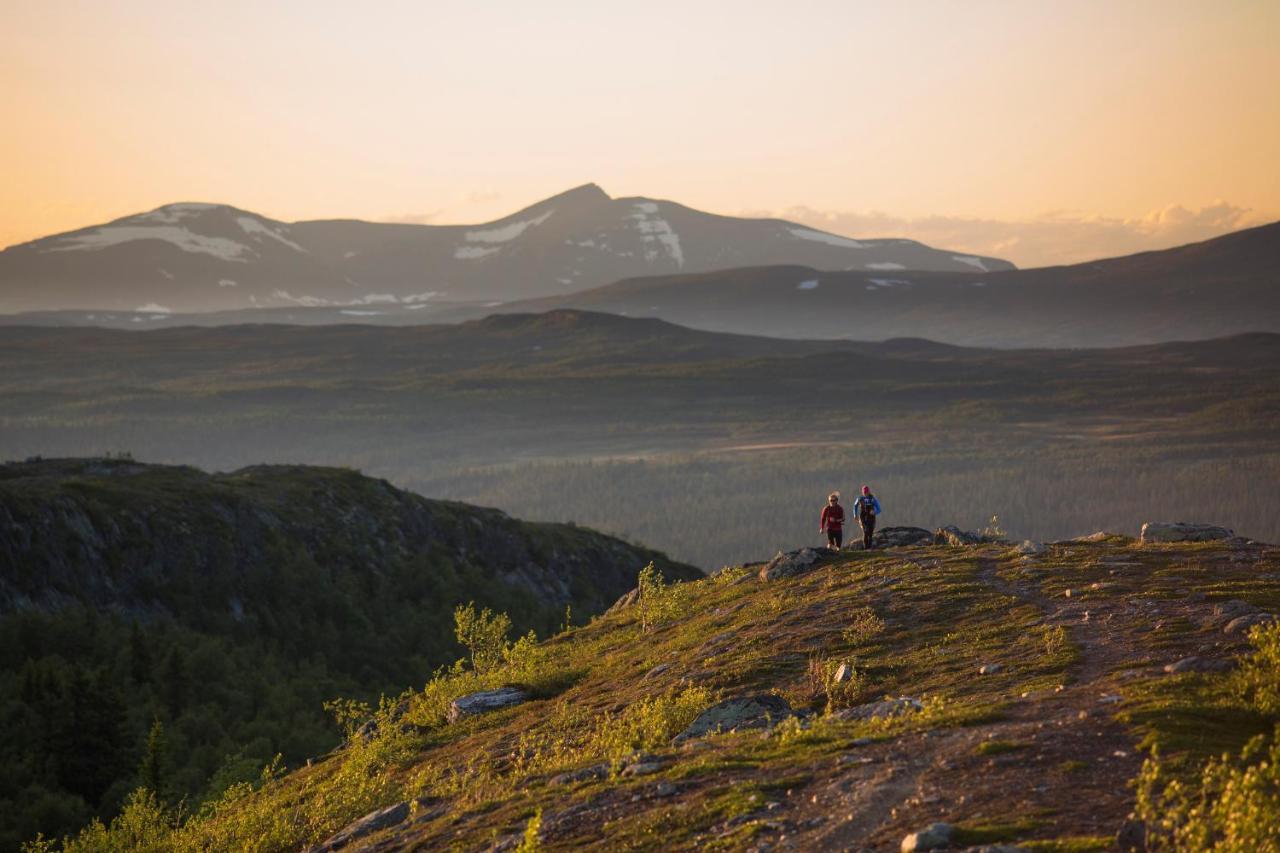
(484, 701)
(788, 564)
(367, 825)
(664, 789)
(844, 672)
(1182, 531)
(1242, 624)
(882, 708)
(901, 537)
(1029, 548)
(996, 848)
(627, 600)
(990, 669)
(955, 537)
(1132, 837)
(1229, 610)
(642, 768)
(933, 837)
(1097, 536)
(595, 771)
(747, 712)
(657, 670)
(1195, 664)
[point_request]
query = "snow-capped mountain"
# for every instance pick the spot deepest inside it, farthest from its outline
(203, 257)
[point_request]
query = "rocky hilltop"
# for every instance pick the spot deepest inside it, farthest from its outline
(1039, 696)
(121, 535)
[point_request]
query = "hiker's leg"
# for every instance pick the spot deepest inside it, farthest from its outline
(869, 532)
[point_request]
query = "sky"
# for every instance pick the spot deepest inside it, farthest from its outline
(1042, 132)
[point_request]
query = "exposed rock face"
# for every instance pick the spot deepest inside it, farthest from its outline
(901, 537)
(484, 701)
(747, 712)
(1182, 531)
(788, 564)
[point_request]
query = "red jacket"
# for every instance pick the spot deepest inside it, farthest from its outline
(832, 518)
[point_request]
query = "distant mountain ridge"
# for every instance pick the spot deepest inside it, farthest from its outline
(210, 257)
(1225, 286)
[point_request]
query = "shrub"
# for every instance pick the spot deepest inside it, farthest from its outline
(1257, 681)
(658, 602)
(864, 624)
(483, 634)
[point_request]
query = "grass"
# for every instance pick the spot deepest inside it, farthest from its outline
(918, 627)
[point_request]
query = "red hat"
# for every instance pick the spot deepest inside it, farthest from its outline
(866, 490)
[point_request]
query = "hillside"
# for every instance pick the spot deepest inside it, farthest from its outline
(1224, 286)
(1011, 693)
(211, 257)
(641, 428)
(228, 608)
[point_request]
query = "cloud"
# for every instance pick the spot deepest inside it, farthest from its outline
(1055, 237)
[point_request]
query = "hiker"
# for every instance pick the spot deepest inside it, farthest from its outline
(866, 507)
(832, 521)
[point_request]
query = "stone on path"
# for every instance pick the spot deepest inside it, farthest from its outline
(790, 563)
(1182, 531)
(747, 712)
(484, 701)
(954, 536)
(901, 537)
(935, 836)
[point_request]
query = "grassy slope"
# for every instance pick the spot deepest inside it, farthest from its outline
(1041, 752)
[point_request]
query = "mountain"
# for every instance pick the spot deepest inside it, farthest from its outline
(1072, 696)
(1224, 286)
(228, 608)
(206, 257)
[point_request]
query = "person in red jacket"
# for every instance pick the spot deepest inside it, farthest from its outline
(832, 522)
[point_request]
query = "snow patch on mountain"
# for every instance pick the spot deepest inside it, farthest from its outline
(227, 282)
(470, 253)
(655, 229)
(152, 308)
(885, 265)
(184, 239)
(171, 214)
(824, 237)
(504, 233)
(886, 282)
(254, 227)
(811, 284)
(971, 261)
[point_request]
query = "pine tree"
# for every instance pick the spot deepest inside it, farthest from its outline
(174, 682)
(154, 770)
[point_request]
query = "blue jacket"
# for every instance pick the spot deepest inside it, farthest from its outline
(862, 501)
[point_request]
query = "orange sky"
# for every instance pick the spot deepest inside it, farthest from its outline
(1048, 131)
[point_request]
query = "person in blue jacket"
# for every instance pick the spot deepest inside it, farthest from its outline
(866, 508)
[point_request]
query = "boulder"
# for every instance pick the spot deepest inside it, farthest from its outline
(788, 564)
(1182, 531)
(990, 668)
(367, 825)
(882, 708)
(627, 600)
(747, 712)
(1195, 664)
(901, 537)
(592, 773)
(844, 673)
(484, 701)
(955, 537)
(1243, 624)
(1030, 549)
(935, 836)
